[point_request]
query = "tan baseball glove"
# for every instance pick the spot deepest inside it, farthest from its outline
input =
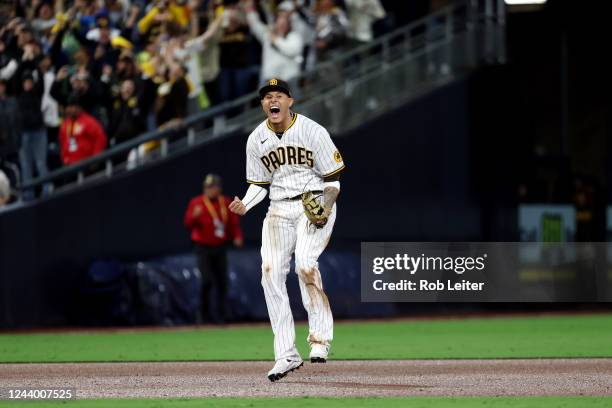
(314, 210)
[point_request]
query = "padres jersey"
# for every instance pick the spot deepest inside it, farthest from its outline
(293, 163)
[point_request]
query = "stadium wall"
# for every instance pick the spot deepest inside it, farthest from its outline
(410, 176)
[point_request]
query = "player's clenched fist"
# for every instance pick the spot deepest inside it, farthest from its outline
(237, 207)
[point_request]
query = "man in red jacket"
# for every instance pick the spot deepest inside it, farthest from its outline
(212, 227)
(81, 136)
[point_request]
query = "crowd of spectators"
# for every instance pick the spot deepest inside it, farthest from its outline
(77, 76)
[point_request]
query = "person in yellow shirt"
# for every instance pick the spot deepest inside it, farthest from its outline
(164, 12)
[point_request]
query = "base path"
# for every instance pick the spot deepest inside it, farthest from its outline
(336, 378)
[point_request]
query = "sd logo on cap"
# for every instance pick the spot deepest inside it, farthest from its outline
(275, 84)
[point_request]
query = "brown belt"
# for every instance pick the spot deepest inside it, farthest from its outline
(299, 196)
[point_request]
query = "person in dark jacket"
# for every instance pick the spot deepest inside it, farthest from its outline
(126, 119)
(235, 77)
(80, 84)
(171, 102)
(33, 150)
(8, 66)
(9, 129)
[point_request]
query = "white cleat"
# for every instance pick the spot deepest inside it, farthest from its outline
(284, 366)
(319, 352)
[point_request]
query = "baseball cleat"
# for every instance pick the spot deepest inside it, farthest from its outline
(283, 367)
(318, 353)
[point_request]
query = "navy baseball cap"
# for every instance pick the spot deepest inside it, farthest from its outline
(275, 84)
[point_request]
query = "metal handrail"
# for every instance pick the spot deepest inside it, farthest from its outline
(473, 15)
(154, 135)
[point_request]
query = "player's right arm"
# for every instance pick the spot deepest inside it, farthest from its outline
(258, 178)
(254, 195)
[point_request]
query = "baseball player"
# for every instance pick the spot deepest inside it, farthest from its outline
(295, 159)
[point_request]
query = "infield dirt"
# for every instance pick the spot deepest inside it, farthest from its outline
(533, 377)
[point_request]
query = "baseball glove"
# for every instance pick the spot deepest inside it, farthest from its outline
(314, 210)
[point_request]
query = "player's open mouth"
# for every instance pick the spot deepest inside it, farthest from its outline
(274, 111)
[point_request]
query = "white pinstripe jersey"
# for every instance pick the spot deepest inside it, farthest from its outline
(294, 163)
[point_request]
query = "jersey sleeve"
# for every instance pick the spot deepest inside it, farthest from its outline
(327, 161)
(256, 173)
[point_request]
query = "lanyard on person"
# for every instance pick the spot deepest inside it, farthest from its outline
(72, 144)
(218, 223)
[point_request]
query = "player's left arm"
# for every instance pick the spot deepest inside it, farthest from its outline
(328, 164)
(331, 190)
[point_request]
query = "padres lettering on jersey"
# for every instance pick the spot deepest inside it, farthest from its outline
(296, 162)
(290, 155)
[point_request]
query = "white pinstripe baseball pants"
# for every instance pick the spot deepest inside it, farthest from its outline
(286, 230)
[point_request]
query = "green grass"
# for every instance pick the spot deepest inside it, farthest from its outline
(412, 402)
(529, 337)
